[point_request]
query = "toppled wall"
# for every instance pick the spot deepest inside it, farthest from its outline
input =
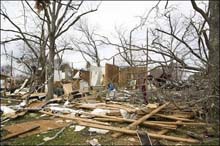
(129, 74)
(111, 74)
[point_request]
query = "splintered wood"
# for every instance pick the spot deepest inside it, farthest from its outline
(117, 117)
(154, 118)
(139, 121)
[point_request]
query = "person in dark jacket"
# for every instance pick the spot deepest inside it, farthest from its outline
(144, 91)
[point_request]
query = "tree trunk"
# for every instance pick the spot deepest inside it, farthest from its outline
(213, 68)
(50, 73)
(42, 61)
(52, 46)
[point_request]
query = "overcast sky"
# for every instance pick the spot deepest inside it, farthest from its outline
(110, 14)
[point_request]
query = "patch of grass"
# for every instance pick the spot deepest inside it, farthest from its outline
(70, 137)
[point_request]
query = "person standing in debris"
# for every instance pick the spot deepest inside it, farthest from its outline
(111, 91)
(144, 91)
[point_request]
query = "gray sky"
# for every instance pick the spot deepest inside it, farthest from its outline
(109, 15)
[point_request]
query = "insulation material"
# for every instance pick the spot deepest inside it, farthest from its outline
(99, 111)
(93, 142)
(96, 75)
(64, 110)
(7, 111)
(127, 115)
(79, 128)
(100, 131)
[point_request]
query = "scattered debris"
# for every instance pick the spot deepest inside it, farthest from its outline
(79, 128)
(55, 136)
(100, 131)
(93, 142)
(7, 111)
(111, 111)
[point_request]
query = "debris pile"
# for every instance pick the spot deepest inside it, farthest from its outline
(138, 110)
(117, 118)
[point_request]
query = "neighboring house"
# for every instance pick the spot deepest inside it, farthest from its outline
(172, 72)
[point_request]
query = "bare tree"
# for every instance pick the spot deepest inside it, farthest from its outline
(60, 16)
(192, 41)
(57, 18)
(34, 45)
(88, 45)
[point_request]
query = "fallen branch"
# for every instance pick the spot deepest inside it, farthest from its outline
(46, 139)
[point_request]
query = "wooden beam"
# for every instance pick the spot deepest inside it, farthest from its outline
(75, 118)
(174, 118)
(182, 123)
(117, 119)
(162, 132)
(133, 132)
(142, 119)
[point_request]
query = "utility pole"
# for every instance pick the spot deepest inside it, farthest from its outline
(147, 65)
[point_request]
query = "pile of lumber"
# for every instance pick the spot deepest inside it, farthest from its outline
(154, 119)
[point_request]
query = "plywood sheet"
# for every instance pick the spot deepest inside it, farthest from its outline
(45, 125)
(68, 88)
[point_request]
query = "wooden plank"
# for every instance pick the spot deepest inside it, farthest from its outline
(182, 123)
(174, 118)
(45, 125)
(117, 119)
(19, 133)
(133, 132)
(68, 88)
(38, 94)
(74, 118)
(164, 131)
(137, 122)
(128, 109)
(115, 108)
(142, 119)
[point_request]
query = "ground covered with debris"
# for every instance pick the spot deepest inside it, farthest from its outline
(100, 120)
